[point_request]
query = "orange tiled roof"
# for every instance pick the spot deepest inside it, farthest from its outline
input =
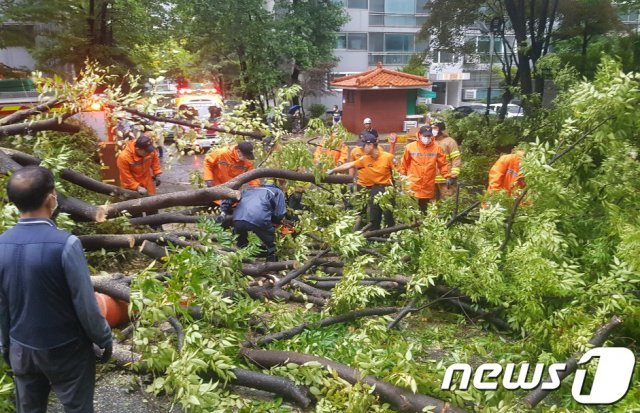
(381, 78)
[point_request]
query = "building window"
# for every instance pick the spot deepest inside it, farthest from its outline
(357, 4)
(399, 42)
(352, 41)
(349, 96)
(376, 42)
(399, 6)
(357, 41)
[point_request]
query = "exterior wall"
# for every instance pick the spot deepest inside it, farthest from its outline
(386, 108)
(18, 58)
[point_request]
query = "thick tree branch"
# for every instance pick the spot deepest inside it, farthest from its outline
(27, 128)
(196, 125)
(598, 339)
(124, 357)
(23, 114)
(401, 400)
(342, 318)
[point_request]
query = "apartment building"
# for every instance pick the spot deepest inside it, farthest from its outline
(379, 31)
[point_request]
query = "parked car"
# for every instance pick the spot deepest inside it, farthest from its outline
(512, 110)
(468, 109)
(169, 128)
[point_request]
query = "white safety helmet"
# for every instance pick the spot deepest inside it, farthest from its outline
(367, 120)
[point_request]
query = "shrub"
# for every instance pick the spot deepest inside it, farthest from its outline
(317, 110)
(421, 108)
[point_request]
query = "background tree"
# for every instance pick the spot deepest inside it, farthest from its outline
(111, 32)
(530, 22)
(581, 23)
(309, 28)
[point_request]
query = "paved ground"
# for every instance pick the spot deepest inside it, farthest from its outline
(177, 171)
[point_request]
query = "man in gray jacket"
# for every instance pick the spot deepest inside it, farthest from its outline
(49, 316)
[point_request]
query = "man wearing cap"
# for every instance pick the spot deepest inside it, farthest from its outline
(258, 209)
(420, 162)
(139, 166)
(224, 164)
(375, 173)
(368, 128)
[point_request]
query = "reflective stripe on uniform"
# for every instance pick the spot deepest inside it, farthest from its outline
(440, 179)
(455, 171)
(454, 155)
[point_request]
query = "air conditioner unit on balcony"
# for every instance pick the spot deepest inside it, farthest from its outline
(470, 94)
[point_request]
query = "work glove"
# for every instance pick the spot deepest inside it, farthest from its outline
(209, 183)
(330, 172)
(451, 182)
(225, 206)
(142, 190)
(393, 138)
(106, 353)
(156, 181)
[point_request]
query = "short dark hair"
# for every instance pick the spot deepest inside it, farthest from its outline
(28, 187)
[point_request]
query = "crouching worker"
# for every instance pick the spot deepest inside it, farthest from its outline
(139, 166)
(258, 210)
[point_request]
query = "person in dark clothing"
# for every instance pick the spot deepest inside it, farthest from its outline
(49, 316)
(257, 211)
(368, 129)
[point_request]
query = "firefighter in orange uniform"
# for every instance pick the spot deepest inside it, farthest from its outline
(139, 166)
(224, 164)
(505, 173)
(420, 161)
(339, 155)
(375, 173)
(452, 153)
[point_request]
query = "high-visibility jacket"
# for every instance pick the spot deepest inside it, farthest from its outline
(505, 174)
(452, 153)
(136, 170)
(222, 165)
(339, 155)
(419, 163)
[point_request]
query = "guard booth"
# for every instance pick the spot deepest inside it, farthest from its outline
(386, 96)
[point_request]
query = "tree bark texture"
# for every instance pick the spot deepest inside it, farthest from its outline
(401, 400)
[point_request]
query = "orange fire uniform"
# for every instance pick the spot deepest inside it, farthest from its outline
(138, 170)
(222, 165)
(420, 163)
(376, 171)
(339, 156)
(505, 174)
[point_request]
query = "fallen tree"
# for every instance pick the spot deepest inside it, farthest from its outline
(401, 400)
(124, 357)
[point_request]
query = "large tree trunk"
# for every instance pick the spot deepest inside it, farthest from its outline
(401, 400)
(74, 177)
(26, 128)
(153, 203)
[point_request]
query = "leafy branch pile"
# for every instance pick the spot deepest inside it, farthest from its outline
(565, 265)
